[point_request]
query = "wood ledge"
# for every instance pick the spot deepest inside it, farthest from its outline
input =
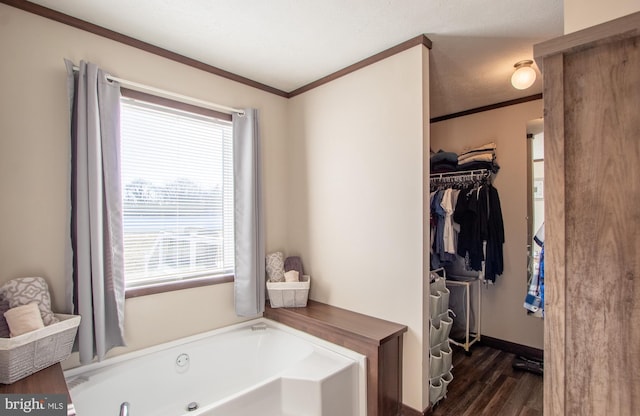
(49, 380)
(367, 328)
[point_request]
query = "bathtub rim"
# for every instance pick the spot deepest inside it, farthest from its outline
(359, 359)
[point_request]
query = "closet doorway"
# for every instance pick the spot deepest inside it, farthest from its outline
(534, 300)
(485, 381)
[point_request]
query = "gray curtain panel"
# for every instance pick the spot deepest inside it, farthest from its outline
(248, 217)
(96, 214)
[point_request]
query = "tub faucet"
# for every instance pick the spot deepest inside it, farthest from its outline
(124, 409)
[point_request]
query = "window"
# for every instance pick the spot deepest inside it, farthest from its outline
(177, 193)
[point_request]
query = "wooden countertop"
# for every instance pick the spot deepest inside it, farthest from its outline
(49, 380)
(46, 381)
(371, 330)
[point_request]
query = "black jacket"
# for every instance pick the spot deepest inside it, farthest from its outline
(479, 214)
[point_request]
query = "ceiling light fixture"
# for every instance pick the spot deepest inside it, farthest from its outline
(524, 76)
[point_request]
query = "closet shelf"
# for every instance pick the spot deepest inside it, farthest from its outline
(463, 175)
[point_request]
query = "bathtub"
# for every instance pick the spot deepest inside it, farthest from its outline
(256, 367)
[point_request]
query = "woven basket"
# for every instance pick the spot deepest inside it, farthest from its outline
(28, 353)
(289, 294)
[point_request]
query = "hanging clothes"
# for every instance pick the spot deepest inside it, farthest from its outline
(469, 239)
(448, 234)
(494, 263)
(466, 217)
(481, 236)
(534, 300)
(441, 228)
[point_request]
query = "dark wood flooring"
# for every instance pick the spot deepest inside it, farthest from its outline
(485, 383)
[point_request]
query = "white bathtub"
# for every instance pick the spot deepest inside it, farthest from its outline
(257, 367)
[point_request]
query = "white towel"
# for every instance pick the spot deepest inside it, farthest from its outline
(23, 319)
(292, 276)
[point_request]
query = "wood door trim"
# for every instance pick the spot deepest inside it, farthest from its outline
(626, 26)
(555, 258)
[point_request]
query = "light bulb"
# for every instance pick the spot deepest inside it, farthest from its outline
(524, 76)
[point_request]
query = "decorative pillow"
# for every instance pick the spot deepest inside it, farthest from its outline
(275, 266)
(4, 328)
(23, 319)
(25, 290)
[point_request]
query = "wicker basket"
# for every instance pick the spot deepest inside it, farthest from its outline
(31, 352)
(289, 294)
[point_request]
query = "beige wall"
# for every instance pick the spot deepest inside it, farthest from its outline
(503, 316)
(356, 201)
(580, 14)
(34, 163)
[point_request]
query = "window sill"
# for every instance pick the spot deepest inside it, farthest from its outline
(177, 285)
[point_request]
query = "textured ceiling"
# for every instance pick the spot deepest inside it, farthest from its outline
(289, 43)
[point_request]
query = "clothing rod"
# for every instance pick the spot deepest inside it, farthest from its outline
(461, 173)
(168, 94)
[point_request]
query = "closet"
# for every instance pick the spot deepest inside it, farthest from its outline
(467, 235)
(466, 302)
(497, 317)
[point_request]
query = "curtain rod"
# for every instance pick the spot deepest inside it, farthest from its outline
(168, 94)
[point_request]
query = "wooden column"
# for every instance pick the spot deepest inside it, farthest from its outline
(379, 340)
(592, 220)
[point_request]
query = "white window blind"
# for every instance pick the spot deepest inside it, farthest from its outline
(177, 190)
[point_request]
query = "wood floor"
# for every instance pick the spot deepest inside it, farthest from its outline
(485, 383)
